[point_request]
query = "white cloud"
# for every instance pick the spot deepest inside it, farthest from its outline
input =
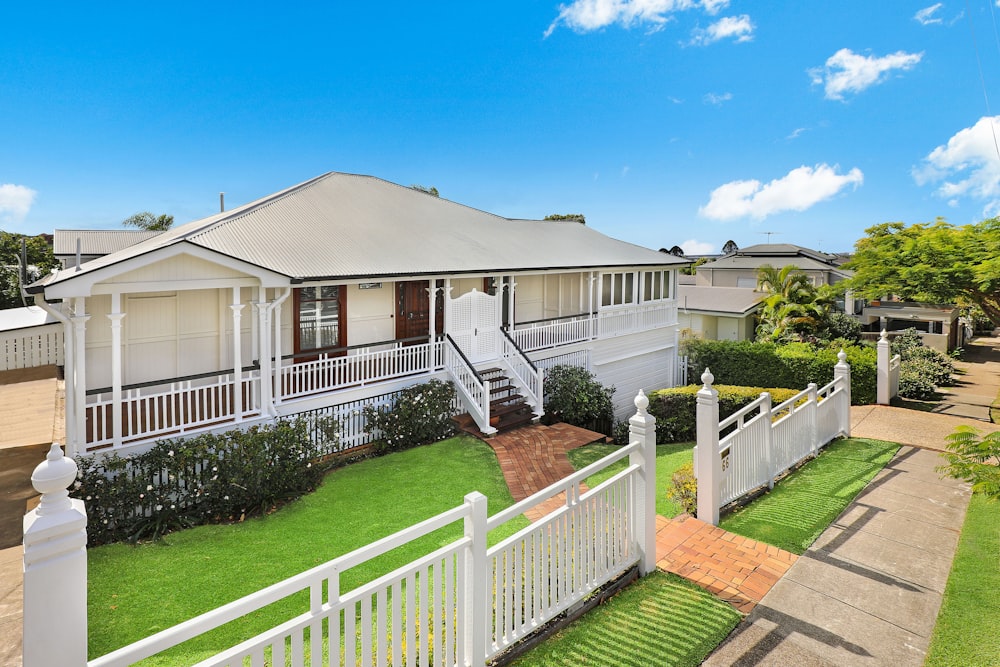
(796, 133)
(590, 15)
(713, 7)
(716, 98)
(798, 190)
(15, 202)
(695, 247)
(968, 165)
(740, 28)
(926, 16)
(849, 72)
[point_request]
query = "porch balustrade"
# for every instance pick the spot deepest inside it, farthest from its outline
(631, 319)
(605, 323)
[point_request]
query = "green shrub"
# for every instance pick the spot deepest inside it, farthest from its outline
(842, 327)
(420, 415)
(576, 397)
(208, 478)
(676, 408)
(683, 489)
(922, 369)
(974, 459)
(791, 366)
(916, 379)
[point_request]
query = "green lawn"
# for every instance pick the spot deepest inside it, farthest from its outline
(801, 506)
(668, 459)
(660, 620)
(966, 631)
(134, 592)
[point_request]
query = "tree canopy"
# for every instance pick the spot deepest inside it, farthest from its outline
(730, 247)
(40, 262)
(149, 222)
(574, 217)
(931, 262)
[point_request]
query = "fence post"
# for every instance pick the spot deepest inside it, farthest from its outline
(811, 402)
(765, 415)
(477, 572)
(884, 351)
(842, 372)
(642, 428)
(55, 569)
(709, 464)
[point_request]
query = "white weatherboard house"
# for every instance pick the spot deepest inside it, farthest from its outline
(338, 292)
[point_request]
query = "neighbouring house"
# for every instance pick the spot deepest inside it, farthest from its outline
(739, 268)
(339, 291)
(716, 313)
(938, 324)
(73, 247)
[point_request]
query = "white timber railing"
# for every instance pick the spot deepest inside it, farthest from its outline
(764, 441)
(472, 389)
(542, 334)
(156, 409)
(887, 371)
(31, 347)
(630, 319)
(358, 367)
(523, 372)
(460, 605)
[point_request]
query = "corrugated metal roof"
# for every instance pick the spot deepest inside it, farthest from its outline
(344, 225)
(97, 241)
(24, 318)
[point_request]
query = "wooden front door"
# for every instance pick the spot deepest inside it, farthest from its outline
(413, 310)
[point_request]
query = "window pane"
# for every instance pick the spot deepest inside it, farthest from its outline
(629, 288)
(606, 289)
(617, 292)
(319, 317)
(647, 285)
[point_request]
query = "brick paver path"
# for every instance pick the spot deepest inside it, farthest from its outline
(734, 568)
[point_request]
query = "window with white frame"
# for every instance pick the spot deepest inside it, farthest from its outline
(655, 285)
(617, 289)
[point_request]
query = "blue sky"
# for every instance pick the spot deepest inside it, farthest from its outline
(663, 121)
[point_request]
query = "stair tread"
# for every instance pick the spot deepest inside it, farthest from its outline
(502, 410)
(506, 399)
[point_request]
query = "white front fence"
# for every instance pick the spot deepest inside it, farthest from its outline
(887, 371)
(31, 347)
(459, 605)
(764, 441)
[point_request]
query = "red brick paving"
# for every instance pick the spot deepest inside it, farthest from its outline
(735, 569)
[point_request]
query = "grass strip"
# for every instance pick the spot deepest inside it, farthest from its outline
(659, 620)
(800, 507)
(966, 630)
(668, 459)
(135, 591)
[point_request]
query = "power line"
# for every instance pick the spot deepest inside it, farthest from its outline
(982, 78)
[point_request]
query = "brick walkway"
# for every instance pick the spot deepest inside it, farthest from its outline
(734, 568)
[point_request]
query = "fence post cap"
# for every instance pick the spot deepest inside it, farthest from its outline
(641, 402)
(842, 356)
(884, 335)
(707, 378)
(52, 477)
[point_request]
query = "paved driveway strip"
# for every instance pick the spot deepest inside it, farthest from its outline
(868, 590)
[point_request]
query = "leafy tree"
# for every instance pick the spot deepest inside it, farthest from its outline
(931, 262)
(149, 222)
(692, 269)
(432, 191)
(730, 247)
(574, 217)
(793, 307)
(676, 251)
(40, 262)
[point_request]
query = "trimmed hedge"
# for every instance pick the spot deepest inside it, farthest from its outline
(675, 409)
(791, 366)
(208, 478)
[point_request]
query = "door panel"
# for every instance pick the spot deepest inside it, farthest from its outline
(413, 310)
(474, 324)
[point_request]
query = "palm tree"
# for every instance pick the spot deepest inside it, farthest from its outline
(792, 308)
(149, 222)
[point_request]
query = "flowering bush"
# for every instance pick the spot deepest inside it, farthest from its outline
(575, 395)
(421, 414)
(209, 478)
(683, 489)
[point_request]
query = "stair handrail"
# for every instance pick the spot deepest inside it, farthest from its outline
(479, 407)
(533, 385)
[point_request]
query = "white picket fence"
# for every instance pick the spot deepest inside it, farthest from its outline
(460, 605)
(31, 347)
(765, 441)
(887, 371)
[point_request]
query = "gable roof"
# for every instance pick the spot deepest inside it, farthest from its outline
(97, 241)
(344, 226)
(778, 255)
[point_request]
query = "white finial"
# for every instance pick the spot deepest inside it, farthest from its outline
(842, 356)
(885, 334)
(707, 378)
(51, 478)
(641, 402)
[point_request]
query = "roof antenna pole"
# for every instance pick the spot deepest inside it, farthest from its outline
(222, 202)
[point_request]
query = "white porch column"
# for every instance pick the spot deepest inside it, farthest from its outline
(432, 312)
(237, 309)
(264, 354)
(276, 321)
(256, 297)
(447, 304)
(116, 316)
(511, 284)
(79, 443)
(55, 569)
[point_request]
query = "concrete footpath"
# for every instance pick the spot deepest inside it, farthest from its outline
(868, 590)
